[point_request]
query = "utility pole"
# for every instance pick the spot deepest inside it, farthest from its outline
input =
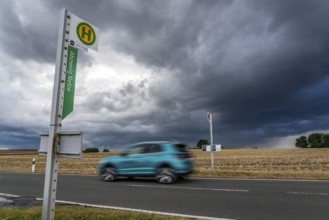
(211, 143)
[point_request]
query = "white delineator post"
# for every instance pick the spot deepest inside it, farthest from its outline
(50, 187)
(33, 165)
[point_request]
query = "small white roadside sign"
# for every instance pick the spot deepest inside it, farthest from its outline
(70, 144)
(212, 148)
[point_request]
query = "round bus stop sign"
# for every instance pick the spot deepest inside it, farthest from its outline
(86, 33)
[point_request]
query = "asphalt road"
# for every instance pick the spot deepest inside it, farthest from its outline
(222, 198)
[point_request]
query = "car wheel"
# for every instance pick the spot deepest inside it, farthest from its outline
(109, 174)
(165, 175)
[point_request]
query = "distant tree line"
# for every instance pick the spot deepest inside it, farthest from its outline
(316, 140)
(94, 150)
(202, 142)
(91, 150)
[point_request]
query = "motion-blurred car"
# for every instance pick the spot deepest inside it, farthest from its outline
(164, 160)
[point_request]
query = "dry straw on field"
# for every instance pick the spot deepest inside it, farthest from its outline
(266, 163)
(238, 163)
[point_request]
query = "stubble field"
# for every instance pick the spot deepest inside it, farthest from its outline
(229, 163)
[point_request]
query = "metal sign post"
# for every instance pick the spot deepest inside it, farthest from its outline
(211, 143)
(49, 194)
(73, 34)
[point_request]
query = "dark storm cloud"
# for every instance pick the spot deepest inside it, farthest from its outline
(279, 95)
(32, 35)
(18, 137)
(254, 64)
(108, 134)
(123, 99)
(28, 38)
(251, 62)
(261, 67)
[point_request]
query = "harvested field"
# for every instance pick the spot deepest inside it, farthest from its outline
(18, 152)
(266, 163)
(230, 163)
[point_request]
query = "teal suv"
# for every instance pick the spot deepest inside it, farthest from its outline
(166, 161)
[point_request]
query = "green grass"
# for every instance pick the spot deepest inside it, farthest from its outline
(79, 213)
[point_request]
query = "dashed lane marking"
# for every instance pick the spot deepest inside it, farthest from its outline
(191, 188)
(309, 193)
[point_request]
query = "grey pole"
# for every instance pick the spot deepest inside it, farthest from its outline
(50, 187)
(211, 143)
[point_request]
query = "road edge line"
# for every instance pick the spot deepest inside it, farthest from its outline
(137, 210)
(10, 195)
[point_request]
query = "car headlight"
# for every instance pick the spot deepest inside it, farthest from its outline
(102, 161)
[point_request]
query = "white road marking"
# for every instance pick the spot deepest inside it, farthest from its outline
(191, 188)
(226, 190)
(126, 209)
(9, 195)
(308, 193)
(142, 210)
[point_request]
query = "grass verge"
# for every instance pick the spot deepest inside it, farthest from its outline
(80, 213)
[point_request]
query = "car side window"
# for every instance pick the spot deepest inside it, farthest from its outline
(181, 147)
(151, 148)
(135, 150)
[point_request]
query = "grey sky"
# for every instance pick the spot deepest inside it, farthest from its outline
(261, 67)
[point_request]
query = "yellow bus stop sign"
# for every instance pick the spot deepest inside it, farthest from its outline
(83, 35)
(86, 33)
